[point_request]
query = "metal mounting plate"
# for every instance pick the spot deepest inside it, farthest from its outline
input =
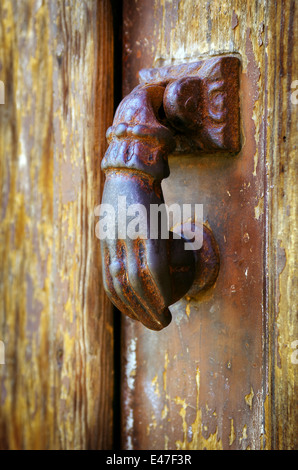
(214, 103)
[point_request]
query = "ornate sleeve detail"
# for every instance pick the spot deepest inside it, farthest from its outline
(137, 139)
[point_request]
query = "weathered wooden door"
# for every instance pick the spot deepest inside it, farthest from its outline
(223, 374)
(56, 64)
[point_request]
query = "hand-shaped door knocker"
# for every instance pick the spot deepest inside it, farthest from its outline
(191, 106)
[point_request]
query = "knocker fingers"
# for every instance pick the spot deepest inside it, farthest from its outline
(130, 285)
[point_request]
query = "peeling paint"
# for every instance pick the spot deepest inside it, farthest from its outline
(131, 364)
(232, 435)
(165, 372)
(249, 398)
(259, 209)
(155, 385)
(198, 441)
(244, 434)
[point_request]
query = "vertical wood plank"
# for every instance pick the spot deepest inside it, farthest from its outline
(56, 61)
(282, 225)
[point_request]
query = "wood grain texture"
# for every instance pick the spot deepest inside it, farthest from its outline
(56, 61)
(221, 376)
(281, 145)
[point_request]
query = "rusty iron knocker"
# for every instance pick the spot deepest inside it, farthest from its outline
(190, 104)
